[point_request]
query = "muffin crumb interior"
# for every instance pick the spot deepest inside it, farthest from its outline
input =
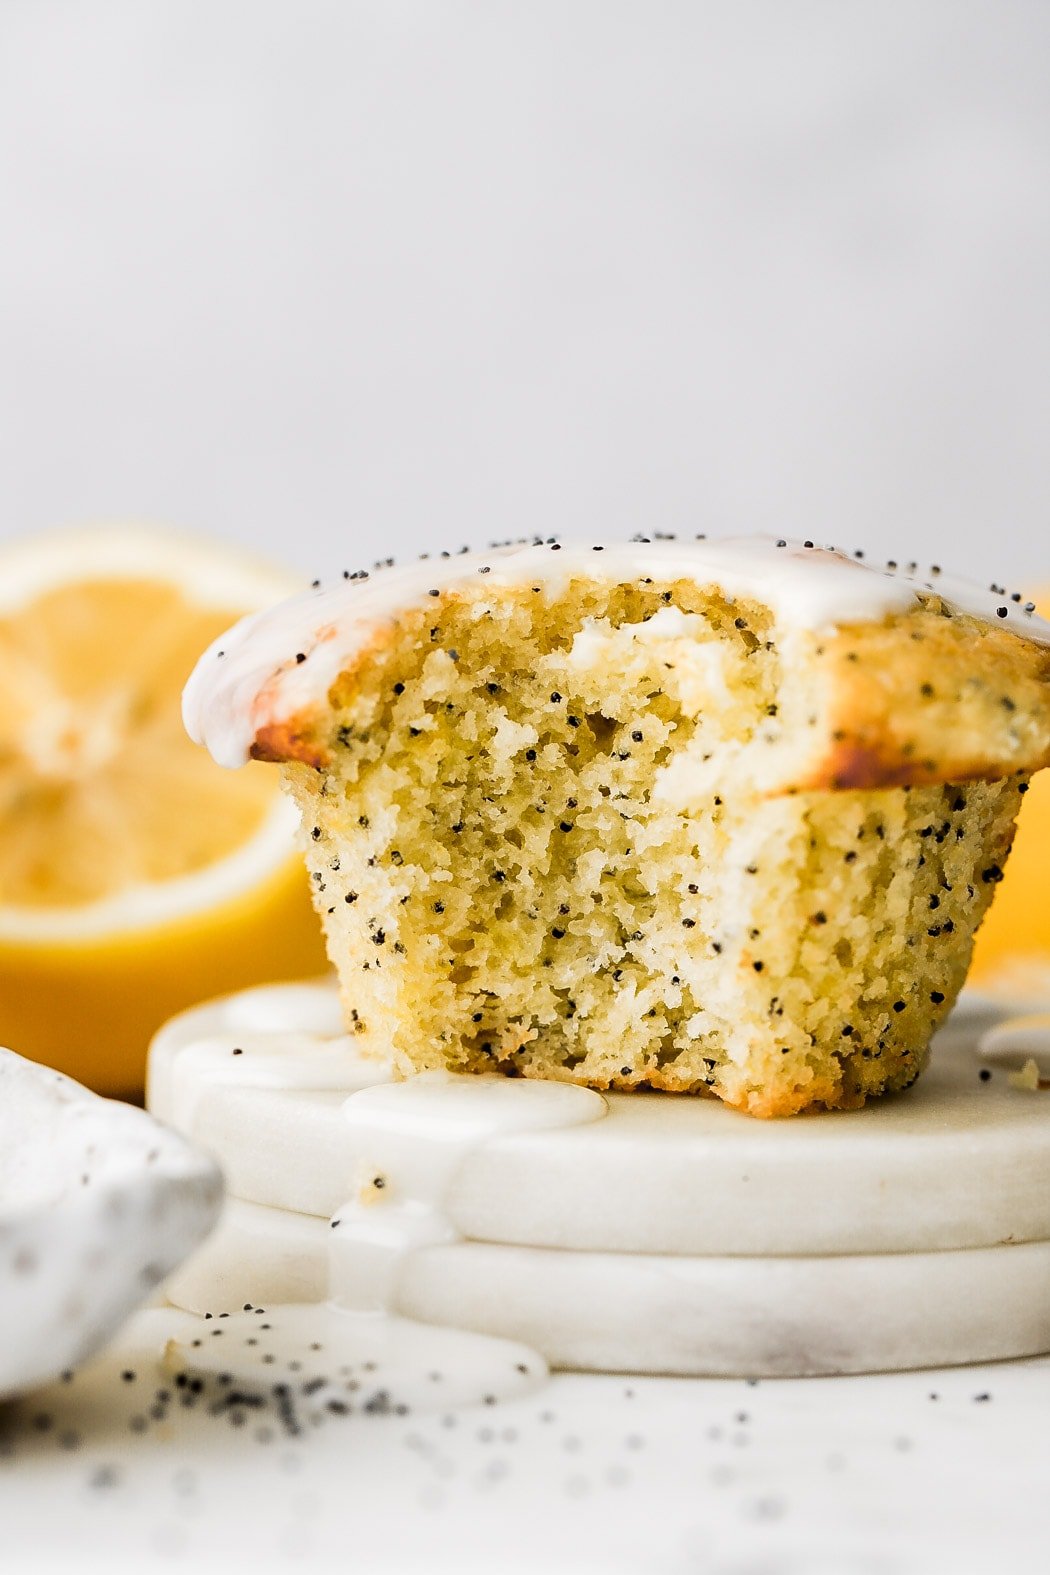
(552, 838)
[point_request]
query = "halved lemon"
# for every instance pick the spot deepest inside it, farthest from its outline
(1014, 940)
(136, 877)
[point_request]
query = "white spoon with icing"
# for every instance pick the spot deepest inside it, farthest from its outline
(98, 1203)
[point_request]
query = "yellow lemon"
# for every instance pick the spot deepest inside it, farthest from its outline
(136, 877)
(1014, 939)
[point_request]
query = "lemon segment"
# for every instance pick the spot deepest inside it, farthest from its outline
(136, 877)
(1016, 930)
(1017, 927)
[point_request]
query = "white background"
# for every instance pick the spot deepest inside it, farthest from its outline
(358, 278)
(345, 279)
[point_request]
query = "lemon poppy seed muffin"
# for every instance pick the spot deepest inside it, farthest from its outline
(708, 817)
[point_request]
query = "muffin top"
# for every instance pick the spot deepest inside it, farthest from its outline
(918, 676)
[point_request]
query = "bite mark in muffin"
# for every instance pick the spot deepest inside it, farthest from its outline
(641, 834)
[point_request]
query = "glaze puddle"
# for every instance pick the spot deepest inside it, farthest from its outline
(276, 1058)
(286, 1008)
(278, 1036)
(347, 1362)
(355, 1352)
(1017, 1040)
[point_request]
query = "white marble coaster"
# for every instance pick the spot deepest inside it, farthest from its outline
(617, 1312)
(961, 1160)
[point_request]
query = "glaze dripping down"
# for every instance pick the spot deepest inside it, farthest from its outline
(411, 1139)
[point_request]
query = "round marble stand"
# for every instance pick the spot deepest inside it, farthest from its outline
(654, 1313)
(625, 1233)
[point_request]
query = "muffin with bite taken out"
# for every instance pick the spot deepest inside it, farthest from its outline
(710, 817)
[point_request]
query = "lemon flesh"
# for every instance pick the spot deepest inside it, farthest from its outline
(100, 789)
(1016, 930)
(136, 877)
(1017, 927)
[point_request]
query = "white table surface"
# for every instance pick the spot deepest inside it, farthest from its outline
(858, 1476)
